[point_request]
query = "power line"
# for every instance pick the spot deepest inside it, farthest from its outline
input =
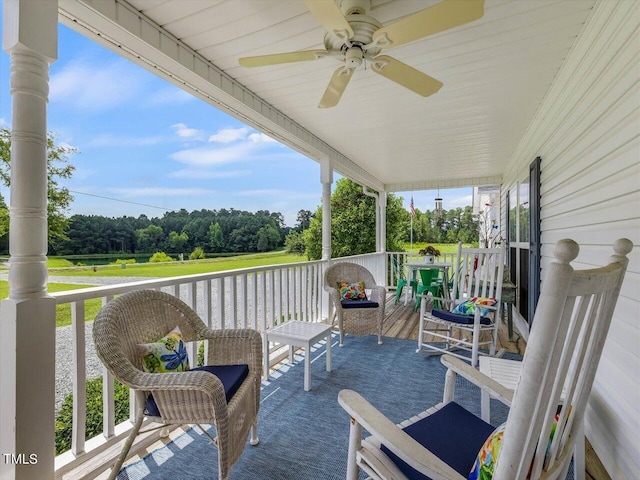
(119, 200)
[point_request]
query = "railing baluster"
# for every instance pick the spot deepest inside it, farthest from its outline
(192, 347)
(287, 291)
(254, 302)
(108, 395)
(233, 293)
(220, 306)
(263, 297)
(243, 300)
(272, 297)
(277, 318)
(79, 378)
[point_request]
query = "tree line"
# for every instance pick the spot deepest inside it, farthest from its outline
(216, 231)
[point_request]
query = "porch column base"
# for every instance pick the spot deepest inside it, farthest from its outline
(27, 389)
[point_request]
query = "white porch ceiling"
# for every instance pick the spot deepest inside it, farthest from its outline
(496, 72)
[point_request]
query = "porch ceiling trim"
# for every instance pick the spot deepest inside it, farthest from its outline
(118, 26)
(452, 183)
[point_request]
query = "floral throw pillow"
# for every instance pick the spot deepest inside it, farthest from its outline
(168, 354)
(485, 463)
(469, 307)
(352, 290)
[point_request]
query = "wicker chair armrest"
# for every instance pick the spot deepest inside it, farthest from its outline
(378, 294)
(191, 380)
(334, 296)
(234, 346)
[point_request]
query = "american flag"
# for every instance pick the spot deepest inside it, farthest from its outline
(413, 211)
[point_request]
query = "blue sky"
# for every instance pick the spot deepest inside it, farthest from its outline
(144, 143)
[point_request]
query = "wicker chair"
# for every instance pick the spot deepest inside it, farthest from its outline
(191, 397)
(359, 317)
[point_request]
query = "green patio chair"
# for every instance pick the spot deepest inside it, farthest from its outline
(429, 283)
(401, 280)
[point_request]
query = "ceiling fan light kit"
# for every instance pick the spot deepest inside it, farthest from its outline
(353, 37)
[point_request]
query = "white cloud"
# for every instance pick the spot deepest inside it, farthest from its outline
(86, 86)
(455, 202)
(107, 140)
(208, 174)
(160, 192)
(261, 138)
(185, 132)
(169, 96)
(207, 156)
(228, 135)
(280, 193)
(3, 122)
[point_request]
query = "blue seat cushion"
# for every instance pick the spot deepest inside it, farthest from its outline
(231, 377)
(453, 434)
(458, 317)
(359, 304)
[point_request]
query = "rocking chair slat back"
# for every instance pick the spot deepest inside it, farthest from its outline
(562, 355)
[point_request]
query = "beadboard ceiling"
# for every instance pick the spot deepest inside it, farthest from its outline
(496, 72)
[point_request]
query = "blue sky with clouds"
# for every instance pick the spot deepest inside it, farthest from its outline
(144, 143)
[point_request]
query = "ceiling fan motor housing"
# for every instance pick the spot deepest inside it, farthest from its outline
(353, 57)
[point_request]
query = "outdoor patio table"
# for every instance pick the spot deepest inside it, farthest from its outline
(299, 334)
(444, 266)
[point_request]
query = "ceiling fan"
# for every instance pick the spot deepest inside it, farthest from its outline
(354, 38)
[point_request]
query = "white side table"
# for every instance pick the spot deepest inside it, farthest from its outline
(506, 373)
(299, 334)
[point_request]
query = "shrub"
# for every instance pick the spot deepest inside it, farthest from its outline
(160, 257)
(197, 254)
(127, 261)
(64, 418)
(201, 354)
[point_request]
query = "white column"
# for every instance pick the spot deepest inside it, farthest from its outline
(376, 197)
(27, 317)
(383, 221)
(326, 177)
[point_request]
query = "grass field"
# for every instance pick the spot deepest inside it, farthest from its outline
(175, 269)
(443, 247)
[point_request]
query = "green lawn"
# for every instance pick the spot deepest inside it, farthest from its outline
(443, 247)
(63, 312)
(176, 269)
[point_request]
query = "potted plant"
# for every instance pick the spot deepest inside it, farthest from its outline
(429, 252)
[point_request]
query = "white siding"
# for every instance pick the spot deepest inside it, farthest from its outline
(587, 132)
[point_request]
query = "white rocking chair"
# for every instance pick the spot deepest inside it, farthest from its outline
(567, 337)
(478, 274)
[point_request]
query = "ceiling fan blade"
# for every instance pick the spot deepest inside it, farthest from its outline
(404, 75)
(437, 18)
(330, 17)
(336, 87)
(276, 58)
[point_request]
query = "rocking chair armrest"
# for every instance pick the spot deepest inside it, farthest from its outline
(234, 346)
(394, 438)
(478, 378)
(444, 301)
